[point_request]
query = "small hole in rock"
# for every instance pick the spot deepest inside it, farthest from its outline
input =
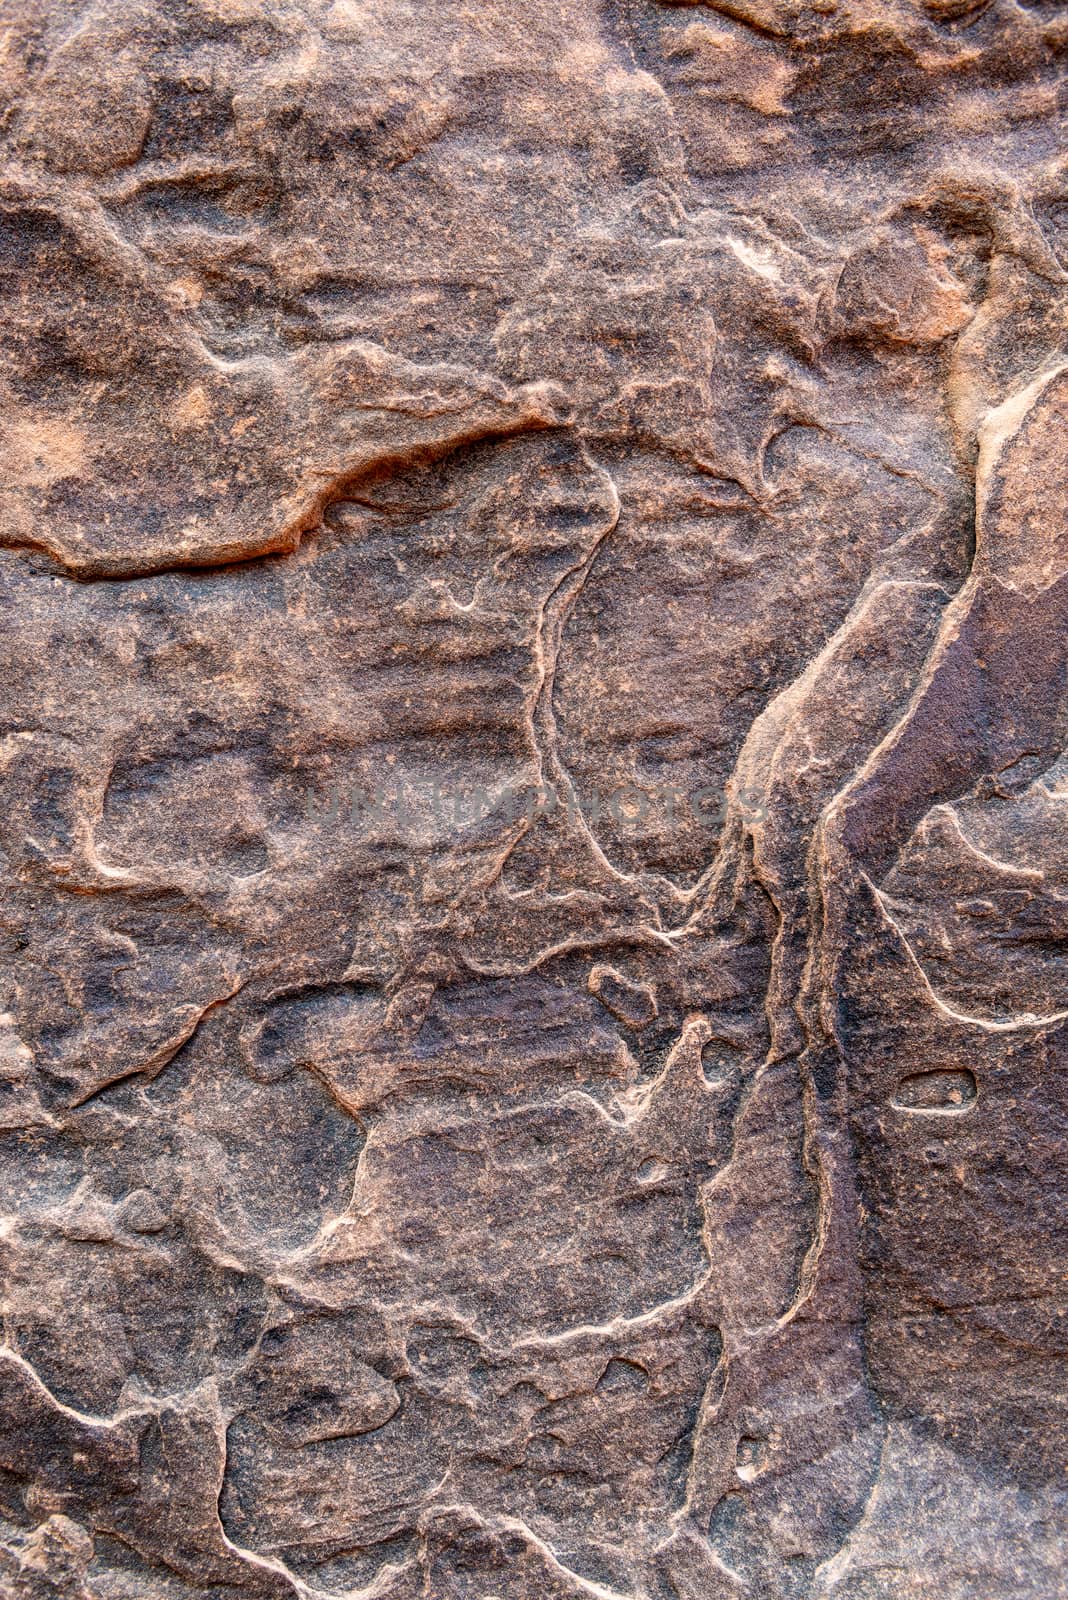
(944, 1091)
(713, 1062)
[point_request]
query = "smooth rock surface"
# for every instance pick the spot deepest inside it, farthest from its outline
(534, 827)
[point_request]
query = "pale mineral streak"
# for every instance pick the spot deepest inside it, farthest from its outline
(534, 832)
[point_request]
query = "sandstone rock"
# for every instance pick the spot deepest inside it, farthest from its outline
(533, 1019)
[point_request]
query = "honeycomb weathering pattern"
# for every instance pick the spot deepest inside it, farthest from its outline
(534, 834)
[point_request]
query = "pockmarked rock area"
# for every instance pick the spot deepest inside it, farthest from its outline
(534, 815)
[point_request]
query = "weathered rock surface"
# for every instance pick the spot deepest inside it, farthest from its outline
(534, 1038)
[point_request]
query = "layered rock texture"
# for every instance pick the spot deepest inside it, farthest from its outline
(534, 828)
